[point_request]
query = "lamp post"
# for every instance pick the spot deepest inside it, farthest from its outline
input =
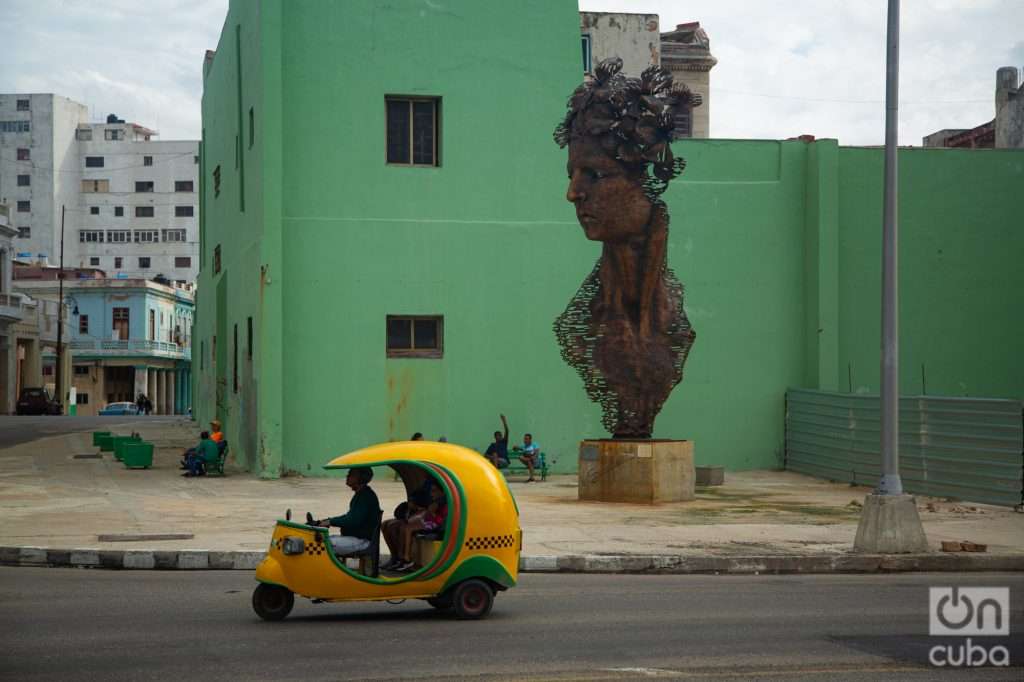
(60, 319)
(889, 522)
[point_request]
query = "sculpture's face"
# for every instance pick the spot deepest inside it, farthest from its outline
(610, 201)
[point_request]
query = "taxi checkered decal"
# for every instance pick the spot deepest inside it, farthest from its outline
(490, 542)
(316, 548)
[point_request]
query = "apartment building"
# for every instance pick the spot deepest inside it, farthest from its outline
(127, 201)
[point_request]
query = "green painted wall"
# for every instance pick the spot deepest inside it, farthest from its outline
(776, 243)
(961, 281)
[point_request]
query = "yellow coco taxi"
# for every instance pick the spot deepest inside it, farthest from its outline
(477, 556)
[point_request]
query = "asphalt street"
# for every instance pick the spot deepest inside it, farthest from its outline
(15, 430)
(122, 625)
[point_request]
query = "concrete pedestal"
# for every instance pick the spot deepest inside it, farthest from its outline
(890, 524)
(643, 471)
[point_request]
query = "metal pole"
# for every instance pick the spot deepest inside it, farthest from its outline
(890, 395)
(60, 319)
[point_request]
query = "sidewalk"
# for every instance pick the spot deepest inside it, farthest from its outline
(51, 500)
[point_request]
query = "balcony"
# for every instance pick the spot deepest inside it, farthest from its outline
(12, 308)
(132, 348)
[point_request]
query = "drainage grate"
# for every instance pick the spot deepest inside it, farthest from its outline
(90, 455)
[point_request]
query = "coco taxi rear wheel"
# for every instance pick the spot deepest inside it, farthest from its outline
(473, 599)
(272, 602)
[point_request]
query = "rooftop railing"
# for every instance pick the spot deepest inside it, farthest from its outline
(131, 347)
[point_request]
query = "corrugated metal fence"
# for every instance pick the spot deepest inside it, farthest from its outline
(965, 448)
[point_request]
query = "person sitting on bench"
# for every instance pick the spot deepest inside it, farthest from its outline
(198, 457)
(360, 523)
(497, 451)
(529, 454)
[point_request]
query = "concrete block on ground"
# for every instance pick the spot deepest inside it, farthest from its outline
(710, 475)
(222, 560)
(193, 559)
(165, 560)
(890, 524)
(248, 561)
(538, 564)
(32, 556)
(58, 557)
(10, 556)
(84, 557)
(111, 558)
(638, 471)
(138, 559)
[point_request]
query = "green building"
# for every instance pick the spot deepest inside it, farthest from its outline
(385, 242)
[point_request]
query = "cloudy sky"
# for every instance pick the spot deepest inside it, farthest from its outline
(785, 67)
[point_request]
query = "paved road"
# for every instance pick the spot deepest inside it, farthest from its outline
(15, 430)
(106, 625)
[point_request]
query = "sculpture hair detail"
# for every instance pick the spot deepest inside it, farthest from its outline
(634, 118)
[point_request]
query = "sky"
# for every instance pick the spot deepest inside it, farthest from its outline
(785, 67)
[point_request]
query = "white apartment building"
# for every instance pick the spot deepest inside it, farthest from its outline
(130, 202)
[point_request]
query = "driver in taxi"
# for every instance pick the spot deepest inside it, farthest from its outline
(360, 523)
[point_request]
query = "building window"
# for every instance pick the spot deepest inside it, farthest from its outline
(94, 162)
(94, 210)
(24, 180)
(120, 326)
(15, 127)
(90, 236)
(183, 186)
(248, 338)
(182, 261)
(174, 235)
(24, 154)
(252, 127)
(24, 233)
(82, 370)
(94, 186)
(119, 236)
(216, 259)
(94, 261)
(684, 123)
(184, 211)
(117, 262)
(152, 324)
(143, 262)
(114, 134)
(83, 328)
(82, 398)
(147, 160)
(24, 207)
(195, 159)
(119, 211)
(23, 105)
(234, 365)
(412, 131)
(143, 185)
(586, 53)
(146, 236)
(415, 336)
(84, 134)
(216, 181)
(144, 212)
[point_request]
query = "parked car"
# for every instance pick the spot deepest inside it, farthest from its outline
(36, 401)
(120, 409)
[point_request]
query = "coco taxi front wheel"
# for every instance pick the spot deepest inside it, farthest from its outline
(473, 599)
(272, 602)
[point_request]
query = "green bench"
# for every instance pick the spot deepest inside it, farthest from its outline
(119, 443)
(515, 467)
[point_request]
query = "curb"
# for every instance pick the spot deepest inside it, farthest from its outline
(203, 559)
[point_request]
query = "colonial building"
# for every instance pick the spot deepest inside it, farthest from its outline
(637, 40)
(127, 200)
(127, 337)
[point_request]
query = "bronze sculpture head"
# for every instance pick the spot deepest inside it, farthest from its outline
(625, 331)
